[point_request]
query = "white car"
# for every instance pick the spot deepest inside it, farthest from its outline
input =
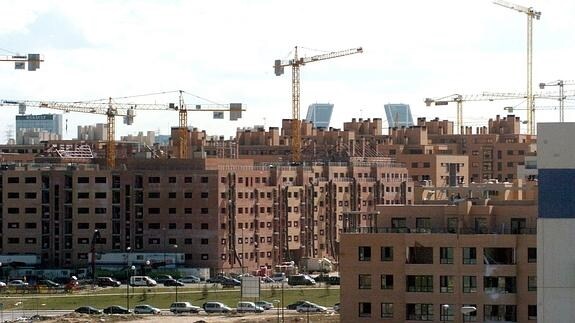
(146, 309)
(251, 307)
(190, 280)
(310, 307)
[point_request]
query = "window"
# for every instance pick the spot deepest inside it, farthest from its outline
(469, 284)
(365, 309)
(172, 226)
(398, 224)
(205, 256)
(100, 180)
(386, 281)
(13, 195)
(204, 226)
(154, 180)
(531, 312)
(30, 195)
(469, 256)
(187, 179)
(446, 255)
(500, 313)
(172, 195)
(446, 284)
(204, 179)
(13, 180)
(188, 226)
(364, 281)
(187, 195)
(452, 225)
(171, 180)
(83, 180)
(364, 253)
(419, 312)
(83, 225)
(386, 253)
(386, 310)
(153, 195)
(419, 283)
(204, 241)
(83, 195)
(532, 255)
(532, 283)
(446, 313)
(204, 195)
(13, 240)
(100, 195)
(423, 224)
(188, 241)
(470, 317)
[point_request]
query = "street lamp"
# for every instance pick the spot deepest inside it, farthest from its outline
(128, 276)
(130, 271)
(277, 304)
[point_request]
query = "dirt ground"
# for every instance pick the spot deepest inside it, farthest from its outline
(268, 317)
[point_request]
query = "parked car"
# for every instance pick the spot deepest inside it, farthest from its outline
(267, 279)
(216, 307)
(173, 282)
(217, 279)
(142, 281)
(160, 279)
(17, 283)
(116, 309)
(190, 280)
(336, 307)
(88, 310)
(47, 283)
(265, 305)
(146, 309)
(279, 277)
(293, 306)
(302, 279)
(310, 307)
(107, 281)
(230, 282)
(251, 307)
(2, 284)
(184, 307)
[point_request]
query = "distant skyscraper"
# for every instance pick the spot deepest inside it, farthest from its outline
(319, 114)
(398, 115)
(50, 123)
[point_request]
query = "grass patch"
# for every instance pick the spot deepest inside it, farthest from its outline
(163, 297)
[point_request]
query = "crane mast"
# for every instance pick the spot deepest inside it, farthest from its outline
(295, 63)
(531, 13)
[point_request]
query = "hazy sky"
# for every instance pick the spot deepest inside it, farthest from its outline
(224, 51)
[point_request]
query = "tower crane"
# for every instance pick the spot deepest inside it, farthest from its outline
(531, 13)
(562, 97)
(127, 110)
(295, 63)
(20, 61)
(459, 99)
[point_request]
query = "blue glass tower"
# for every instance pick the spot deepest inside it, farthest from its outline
(319, 114)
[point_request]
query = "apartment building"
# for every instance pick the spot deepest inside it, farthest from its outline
(439, 262)
(222, 214)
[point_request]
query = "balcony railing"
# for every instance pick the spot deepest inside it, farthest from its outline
(442, 230)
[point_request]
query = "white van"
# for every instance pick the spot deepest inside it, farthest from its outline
(142, 281)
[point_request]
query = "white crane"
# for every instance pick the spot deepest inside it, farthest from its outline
(531, 13)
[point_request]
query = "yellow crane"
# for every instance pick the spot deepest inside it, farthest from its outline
(296, 63)
(127, 110)
(531, 13)
(235, 110)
